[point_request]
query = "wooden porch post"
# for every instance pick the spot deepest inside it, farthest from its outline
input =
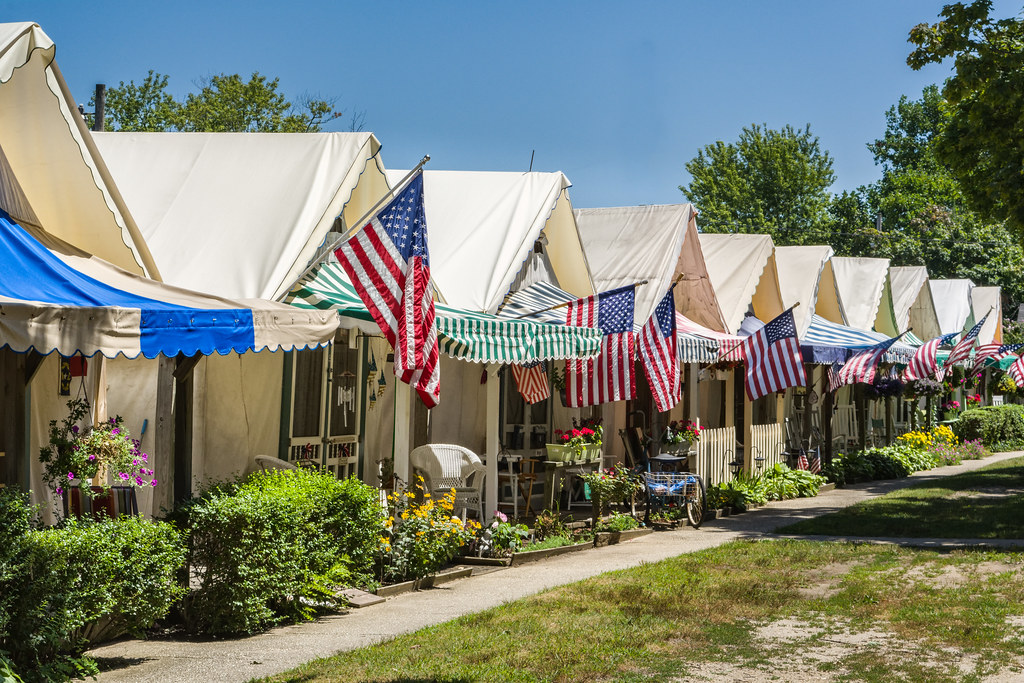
(493, 442)
(403, 415)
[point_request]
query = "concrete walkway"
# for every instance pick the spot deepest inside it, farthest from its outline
(286, 647)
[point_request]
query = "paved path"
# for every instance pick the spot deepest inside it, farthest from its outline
(286, 647)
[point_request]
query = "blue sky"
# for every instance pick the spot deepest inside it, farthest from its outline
(618, 96)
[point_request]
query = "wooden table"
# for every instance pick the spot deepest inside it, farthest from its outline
(555, 472)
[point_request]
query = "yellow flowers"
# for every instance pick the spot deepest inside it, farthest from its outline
(923, 441)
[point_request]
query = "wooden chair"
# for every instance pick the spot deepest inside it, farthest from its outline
(445, 467)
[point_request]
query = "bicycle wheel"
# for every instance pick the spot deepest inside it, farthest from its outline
(696, 500)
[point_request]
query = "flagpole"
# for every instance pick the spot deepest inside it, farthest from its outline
(564, 304)
(356, 226)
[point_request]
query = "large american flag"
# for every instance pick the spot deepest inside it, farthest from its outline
(962, 349)
(994, 351)
(611, 375)
(861, 368)
(772, 358)
(1016, 371)
(925, 362)
(658, 352)
(532, 382)
(388, 264)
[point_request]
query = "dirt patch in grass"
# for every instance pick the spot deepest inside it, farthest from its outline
(986, 492)
(825, 580)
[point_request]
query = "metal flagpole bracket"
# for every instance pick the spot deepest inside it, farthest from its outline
(356, 226)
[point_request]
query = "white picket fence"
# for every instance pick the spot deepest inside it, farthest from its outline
(769, 442)
(715, 450)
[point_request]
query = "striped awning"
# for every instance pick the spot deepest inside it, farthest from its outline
(829, 342)
(466, 335)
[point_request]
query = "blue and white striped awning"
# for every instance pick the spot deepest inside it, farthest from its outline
(829, 342)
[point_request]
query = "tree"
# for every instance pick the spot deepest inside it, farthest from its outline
(768, 181)
(982, 142)
(223, 103)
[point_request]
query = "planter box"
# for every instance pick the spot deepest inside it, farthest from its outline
(827, 487)
(658, 525)
(484, 561)
(592, 452)
(603, 538)
(425, 582)
(535, 555)
(560, 453)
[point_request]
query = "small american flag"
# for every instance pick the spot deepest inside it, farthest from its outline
(532, 382)
(925, 362)
(388, 264)
(995, 351)
(860, 368)
(801, 461)
(610, 376)
(962, 349)
(1016, 371)
(658, 352)
(772, 357)
(816, 461)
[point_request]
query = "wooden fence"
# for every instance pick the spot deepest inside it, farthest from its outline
(769, 442)
(716, 448)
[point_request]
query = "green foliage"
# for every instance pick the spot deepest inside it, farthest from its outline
(63, 588)
(265, 549)
(768, 181)
(783, 483)
(224, 102)
(613, 485)
(502, 538)
(981, 142)
(617, 522)
(421, 536)
(1000, 428)
(891, 462)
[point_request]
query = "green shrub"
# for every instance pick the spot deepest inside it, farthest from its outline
(998, 427)
(782, 483)
(422, 535)
(65, 588)
(272, 547)
(891, 462)
(618, 522)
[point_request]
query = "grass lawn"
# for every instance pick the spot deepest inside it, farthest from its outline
(986, 503)
(782, 610)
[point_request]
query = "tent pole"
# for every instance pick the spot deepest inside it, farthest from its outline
(358, 224)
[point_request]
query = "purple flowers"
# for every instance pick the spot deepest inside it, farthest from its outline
(71, 475)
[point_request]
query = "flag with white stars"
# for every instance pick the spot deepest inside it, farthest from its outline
(962, 350)
(658, 352)
(994, 352)
(388, 263)
(610, 376)
(862, 367)
(925, 362)
(772, 358)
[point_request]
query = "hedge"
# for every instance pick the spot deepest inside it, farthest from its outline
(273, 547)
(1000, 428)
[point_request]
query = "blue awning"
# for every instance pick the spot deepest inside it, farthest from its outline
(829, 342)
(47, 305)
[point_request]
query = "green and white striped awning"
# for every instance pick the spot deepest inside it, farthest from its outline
(466, 335)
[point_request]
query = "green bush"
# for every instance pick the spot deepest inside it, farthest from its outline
(65, 588)
(274, 546)
(782, 483)
(1000, 428)
(891, 462)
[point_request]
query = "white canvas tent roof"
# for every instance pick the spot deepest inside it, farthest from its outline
(861, 283)
(59, 183)
(481, 229)
(912, 301)
(628, 244)
(983, 300)
(952, 303)
(800, 271)
(241, 214)
(743, 273)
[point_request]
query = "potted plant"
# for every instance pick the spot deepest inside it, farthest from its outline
(593, 434)
(571, 446)
(679, 435)
(84, 460)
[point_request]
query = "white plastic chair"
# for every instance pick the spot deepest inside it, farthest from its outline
(445, 467)
(269, 462)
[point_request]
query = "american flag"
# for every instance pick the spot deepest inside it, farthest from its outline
(388, 264)
(1016, 371)
(610, 376)
(925, 361)
(772, 357)
(658, 352)
(860, 368)
(815, 465)
(532, 382)
(994, 351)
(801, 461)
(962, 349)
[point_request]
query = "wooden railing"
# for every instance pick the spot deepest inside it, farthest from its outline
(768, 442)
(716, 448)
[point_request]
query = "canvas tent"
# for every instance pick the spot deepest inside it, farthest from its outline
(988, 300)
(62, 185)
(864, 294)
(241, 214)
(952, 304)
(743, 273)
(490, 233)
(800, 269)
(912, 301)
(659, 244)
